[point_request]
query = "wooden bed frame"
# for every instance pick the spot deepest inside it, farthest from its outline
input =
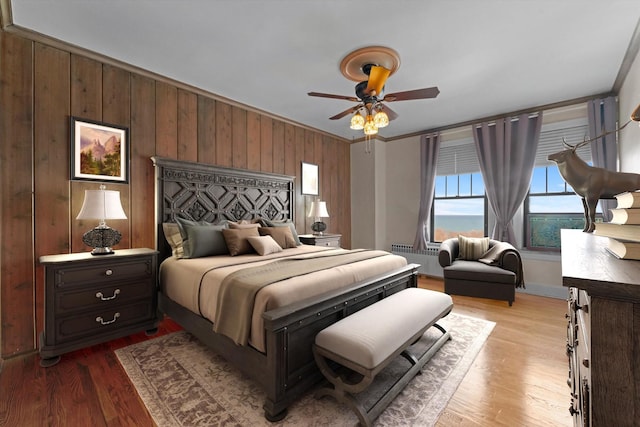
(211, 193)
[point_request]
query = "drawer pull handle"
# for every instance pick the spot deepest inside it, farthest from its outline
(103, 298)
(109, 272)
(100, 320)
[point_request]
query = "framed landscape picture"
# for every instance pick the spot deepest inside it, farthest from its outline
(99, 151)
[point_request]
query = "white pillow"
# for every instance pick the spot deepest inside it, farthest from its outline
(264, 245)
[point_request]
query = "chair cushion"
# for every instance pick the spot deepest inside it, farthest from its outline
(478, 272)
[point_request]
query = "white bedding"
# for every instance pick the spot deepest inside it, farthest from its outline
(194, 283)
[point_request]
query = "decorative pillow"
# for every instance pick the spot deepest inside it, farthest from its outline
(238, 225)
(282, 223)
(472, 248)
(282, 236)
(237, 242)
(200, 238)
(174, 238)
(264, 245)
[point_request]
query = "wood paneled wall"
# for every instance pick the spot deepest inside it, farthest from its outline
(42, 86)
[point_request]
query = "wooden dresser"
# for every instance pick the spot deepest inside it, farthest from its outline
(603, 336)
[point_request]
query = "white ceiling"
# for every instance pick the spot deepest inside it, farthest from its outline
(487, 57)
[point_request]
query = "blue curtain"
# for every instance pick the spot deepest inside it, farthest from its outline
(429, 148)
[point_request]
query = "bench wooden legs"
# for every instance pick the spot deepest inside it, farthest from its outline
(343, 389)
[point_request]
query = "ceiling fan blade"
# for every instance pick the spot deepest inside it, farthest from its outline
(390, 113)
(377, 78)
(328, 95)
(430, 92)
(346, 112)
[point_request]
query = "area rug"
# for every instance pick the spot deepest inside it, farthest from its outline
(183, 383)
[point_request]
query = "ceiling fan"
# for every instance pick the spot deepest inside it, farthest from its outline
(374, 64)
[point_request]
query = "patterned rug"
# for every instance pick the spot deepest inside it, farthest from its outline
(183, 383)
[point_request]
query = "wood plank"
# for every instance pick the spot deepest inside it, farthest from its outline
(207, 141)
(116, 109)
(187, 126)
(16, 172)
(224, 134)
(253, 141)
(86, 103)
(239, 137)
(166, 120)
(51, 152)
(266, 144)
(143, 129)
(344, 225)
(292, 166)
(332, 192)
(279, 149)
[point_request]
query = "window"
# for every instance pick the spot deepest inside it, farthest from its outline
(551, 203)
(459, 205)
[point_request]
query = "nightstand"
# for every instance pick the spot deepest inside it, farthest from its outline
(332, 240)
(91, 299)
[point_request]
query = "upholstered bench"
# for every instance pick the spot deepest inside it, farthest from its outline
(368, 340)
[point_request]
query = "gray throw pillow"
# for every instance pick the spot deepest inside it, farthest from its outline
(202, 238)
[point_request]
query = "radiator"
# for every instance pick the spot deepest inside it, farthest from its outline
(428, 258)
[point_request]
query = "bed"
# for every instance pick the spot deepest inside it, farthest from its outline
(278, 350)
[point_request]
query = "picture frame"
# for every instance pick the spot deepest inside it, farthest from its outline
(310, 183)
(99, 151)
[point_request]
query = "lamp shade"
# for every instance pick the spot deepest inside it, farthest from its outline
(101, 204)
(318, 210)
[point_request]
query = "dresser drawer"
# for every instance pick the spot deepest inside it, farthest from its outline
(105, 295)
(101, 321)
(108, 272)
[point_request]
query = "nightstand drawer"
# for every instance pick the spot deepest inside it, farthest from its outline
(104, 321)
(329, 240)
(108, 272)
(331, 243)
(102, 296)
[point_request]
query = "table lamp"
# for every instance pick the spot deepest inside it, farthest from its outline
(317, 211)
(101, 205)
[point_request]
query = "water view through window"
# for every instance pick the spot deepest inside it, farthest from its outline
(458, 216)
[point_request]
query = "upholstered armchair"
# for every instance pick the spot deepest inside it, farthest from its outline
(494, 273)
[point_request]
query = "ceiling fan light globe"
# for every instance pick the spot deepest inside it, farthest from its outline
(370, 127)
(381, 119)
(357, 121)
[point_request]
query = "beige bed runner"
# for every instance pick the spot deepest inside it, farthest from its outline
(238, 290)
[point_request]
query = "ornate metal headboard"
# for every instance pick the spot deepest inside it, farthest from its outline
(210, 193)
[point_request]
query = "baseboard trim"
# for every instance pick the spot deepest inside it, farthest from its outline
(544, 290)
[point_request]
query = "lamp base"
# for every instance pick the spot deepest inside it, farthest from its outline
(102, 251)
(102, 238)
(318, 228)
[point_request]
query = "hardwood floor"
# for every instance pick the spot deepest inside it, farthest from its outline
(518, 379)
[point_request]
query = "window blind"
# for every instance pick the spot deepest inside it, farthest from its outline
(459, 156)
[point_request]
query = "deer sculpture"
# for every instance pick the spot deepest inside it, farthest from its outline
(591, 183)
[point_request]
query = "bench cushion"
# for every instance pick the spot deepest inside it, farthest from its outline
(371, 335)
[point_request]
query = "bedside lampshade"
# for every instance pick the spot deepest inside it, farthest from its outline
(318, 210)
(102, 205)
